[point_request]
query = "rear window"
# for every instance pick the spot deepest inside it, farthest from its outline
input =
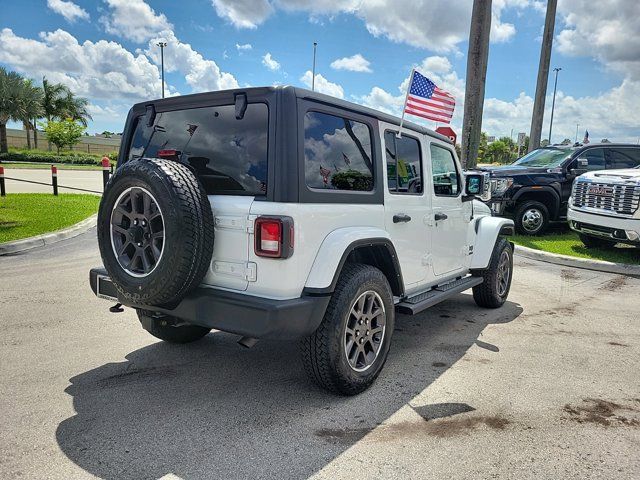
(228, 155)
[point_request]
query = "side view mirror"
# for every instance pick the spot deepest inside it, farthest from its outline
(580, 166)
(477, 185)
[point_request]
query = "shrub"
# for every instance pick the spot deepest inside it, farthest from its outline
(49, 157)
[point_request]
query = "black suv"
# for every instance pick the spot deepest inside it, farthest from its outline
(535, 189)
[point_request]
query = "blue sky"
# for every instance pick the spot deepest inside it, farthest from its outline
(104, 50)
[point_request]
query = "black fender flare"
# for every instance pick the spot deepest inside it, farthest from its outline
(535, 189)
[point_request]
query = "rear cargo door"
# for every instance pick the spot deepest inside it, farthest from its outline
(227, 147)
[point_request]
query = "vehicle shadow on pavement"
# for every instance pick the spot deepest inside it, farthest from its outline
(214, 410)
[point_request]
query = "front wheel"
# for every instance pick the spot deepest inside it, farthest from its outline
(169, 329)
(594, 242)
(348, 350)
(494, 290)
(531, 218)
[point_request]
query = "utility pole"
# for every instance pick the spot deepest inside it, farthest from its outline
(543, 76)
(477, 59)
(162, 45)
(313, 72)
(576, 140)
(553, 104)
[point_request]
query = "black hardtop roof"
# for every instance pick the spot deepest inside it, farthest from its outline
(583, 146)
(192, 99)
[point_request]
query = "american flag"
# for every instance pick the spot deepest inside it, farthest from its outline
(426, 100)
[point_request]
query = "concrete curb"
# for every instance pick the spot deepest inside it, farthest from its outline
(598, 265)
(48, 238)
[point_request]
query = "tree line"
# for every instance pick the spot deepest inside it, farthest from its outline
(21, 100)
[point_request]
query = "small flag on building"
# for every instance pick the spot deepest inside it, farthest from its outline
(192, 129)
(586, 137)
(425, 99)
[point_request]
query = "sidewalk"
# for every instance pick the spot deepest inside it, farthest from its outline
(86, 179)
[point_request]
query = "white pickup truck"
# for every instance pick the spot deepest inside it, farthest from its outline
(603, 207)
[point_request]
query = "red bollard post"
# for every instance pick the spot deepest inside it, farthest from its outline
(106, 167)
(54, 179)
(3, 192)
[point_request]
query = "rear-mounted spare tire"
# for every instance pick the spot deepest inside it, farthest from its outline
(155, 231)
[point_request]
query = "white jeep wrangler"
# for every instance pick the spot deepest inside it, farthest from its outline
(283, 213)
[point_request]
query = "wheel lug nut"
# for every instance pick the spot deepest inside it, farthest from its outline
(357, 332)
(139, 244)
(135, 222)
(360, 322)
(367, 332)
(361, 340)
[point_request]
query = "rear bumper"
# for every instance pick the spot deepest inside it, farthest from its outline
(242, 314)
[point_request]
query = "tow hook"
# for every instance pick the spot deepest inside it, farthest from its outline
(117, 308)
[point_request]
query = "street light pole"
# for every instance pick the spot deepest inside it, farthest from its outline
(576, 140)
(162, 45)
(553, 103)
(313, 73)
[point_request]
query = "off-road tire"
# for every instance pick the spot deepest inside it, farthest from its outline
(488, 294)
(188, 227)
(520, 221)
(323, 353)
(165, 329)
(594, 242)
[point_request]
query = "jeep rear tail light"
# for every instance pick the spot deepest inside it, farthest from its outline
(274, 237)
(167, 153)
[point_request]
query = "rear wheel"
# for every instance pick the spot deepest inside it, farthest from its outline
(348, 350)
(170, 329)
(531, 218)
(494, 290)
(595, 242)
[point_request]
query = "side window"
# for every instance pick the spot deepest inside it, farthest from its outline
(623, 158)
(337, 153)
(446, 181)
(404, 166)
(595, 157)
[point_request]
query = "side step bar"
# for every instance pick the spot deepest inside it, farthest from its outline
(422, 301)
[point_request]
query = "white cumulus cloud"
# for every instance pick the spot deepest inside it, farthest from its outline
(97, 70)
(245, 46)
(437, 25)
(355, 63)
(322, 85)
(243, 13)
(69, 10)
(269, 62)
(134, 20)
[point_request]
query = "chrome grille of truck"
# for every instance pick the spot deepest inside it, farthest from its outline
(623, 199)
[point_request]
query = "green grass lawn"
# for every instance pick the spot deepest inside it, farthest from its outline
(46, 166)
(567, 243)
(24, 215)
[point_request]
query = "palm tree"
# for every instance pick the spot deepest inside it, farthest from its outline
(31, 109)
(11, 102)
(76, 108)
(59, 102)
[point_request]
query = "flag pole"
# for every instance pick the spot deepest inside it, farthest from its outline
(404, 107)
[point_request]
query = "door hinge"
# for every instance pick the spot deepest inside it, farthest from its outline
(250, 223)
(247, 271)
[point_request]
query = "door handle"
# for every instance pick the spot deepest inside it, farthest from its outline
(401, 217)
(440, 216)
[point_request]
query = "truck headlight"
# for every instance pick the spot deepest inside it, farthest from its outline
(500, 185)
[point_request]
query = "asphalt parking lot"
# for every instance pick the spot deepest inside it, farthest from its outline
(546, 387)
